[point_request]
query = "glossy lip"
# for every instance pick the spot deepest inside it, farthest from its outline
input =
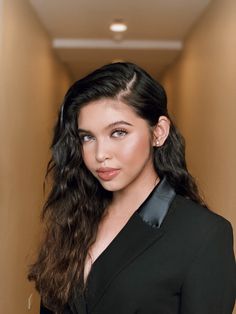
(106, 173)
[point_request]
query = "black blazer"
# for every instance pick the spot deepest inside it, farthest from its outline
(172, 257)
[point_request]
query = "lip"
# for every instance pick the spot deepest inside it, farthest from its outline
(106, 173)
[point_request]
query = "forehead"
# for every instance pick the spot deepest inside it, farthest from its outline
(105, 111)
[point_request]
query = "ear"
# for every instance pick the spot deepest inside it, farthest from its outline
(161, 131)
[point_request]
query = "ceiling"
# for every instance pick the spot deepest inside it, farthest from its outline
(81, 37)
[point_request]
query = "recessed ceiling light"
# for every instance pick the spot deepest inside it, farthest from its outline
(118, 26)
(117, 60)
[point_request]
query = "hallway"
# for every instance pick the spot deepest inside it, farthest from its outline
(200, 84)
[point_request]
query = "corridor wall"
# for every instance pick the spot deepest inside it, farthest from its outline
(202, 96)
(32, 84)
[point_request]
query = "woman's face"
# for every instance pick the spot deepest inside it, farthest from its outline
(116, 144)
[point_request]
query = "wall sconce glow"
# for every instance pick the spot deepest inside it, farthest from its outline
(118, 27)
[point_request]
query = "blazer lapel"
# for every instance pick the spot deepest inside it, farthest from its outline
(144, 227)
(78, 305)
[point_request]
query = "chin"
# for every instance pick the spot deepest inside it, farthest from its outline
(111, 186)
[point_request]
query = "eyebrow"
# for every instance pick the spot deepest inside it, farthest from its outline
(113, 124)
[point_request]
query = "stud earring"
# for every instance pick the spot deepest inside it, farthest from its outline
(157, 142)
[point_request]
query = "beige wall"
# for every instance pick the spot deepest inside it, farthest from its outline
(32, 83)
(202, 98)
(202, 95)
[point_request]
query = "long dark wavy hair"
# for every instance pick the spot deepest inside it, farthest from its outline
(77, 200)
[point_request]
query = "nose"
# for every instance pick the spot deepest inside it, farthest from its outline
(102, 151)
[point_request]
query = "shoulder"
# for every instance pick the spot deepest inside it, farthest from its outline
(205, 242)
(194, 213)
(196, 220)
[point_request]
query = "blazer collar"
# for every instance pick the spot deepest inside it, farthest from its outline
(155, 207)
(144, 227)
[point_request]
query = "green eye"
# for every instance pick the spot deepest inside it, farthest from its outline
(86, 138)
(119, 133)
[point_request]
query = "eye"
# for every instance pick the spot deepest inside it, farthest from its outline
(119, 133)
(86, 138)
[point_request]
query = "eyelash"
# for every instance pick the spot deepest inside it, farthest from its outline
(123, 131)
(82, 138)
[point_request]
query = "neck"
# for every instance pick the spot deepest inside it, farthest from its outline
(127, 201)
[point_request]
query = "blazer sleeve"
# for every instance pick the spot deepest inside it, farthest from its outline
(44, 310)
(210, 282)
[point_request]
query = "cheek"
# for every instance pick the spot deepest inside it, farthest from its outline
(135, 149)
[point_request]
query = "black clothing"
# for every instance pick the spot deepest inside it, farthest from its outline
(172, 257)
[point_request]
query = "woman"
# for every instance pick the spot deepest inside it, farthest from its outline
(127, 231)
